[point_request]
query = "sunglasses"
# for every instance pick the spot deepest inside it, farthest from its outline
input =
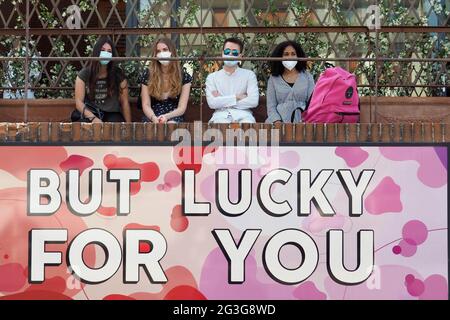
(233, 52)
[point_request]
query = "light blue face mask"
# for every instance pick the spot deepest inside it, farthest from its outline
(230, 63)
(107, 55)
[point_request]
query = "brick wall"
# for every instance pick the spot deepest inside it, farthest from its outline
(46, 132)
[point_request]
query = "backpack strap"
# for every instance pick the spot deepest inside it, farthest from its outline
(293, 114)
(308, 102)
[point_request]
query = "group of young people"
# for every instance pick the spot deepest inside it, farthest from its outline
(101, 89)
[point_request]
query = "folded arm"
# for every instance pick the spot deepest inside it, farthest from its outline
(252, 99)
(218, 102)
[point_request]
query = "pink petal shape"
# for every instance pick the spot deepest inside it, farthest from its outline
(353, 156)
(385, 198)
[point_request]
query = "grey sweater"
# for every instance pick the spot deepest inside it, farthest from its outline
(283, 100)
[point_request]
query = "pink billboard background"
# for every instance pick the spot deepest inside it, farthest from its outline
(405, 204)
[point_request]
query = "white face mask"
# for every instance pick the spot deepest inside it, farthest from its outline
(230, 63)
(290, 64)
(164, 54)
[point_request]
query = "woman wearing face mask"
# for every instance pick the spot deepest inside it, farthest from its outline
(290, 86)
(165, 87)
(101, 90)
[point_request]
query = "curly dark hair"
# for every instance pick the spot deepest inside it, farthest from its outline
(277, 67)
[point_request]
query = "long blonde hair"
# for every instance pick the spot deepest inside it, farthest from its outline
(155, 85)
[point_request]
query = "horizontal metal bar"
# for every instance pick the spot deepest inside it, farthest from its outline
(222, 30)
(12, 58)
(201, 58)
(198, 87)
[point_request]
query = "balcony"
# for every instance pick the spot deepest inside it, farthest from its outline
(402, 67)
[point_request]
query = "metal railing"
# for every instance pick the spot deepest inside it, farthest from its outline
(421, 69)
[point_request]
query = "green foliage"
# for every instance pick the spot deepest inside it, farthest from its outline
(316, 45)
(132, 71)
(13, 71)
(62, 74)
(189, 11)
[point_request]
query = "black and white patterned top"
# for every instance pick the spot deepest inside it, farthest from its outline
(161, 107)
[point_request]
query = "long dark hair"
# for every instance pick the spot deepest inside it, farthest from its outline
(277, 67)
(115, 74)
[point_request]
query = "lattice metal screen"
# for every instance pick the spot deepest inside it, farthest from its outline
(408, 56)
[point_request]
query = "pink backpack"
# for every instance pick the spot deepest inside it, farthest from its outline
(335, 98)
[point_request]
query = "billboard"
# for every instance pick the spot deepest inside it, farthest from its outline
(224, 223)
